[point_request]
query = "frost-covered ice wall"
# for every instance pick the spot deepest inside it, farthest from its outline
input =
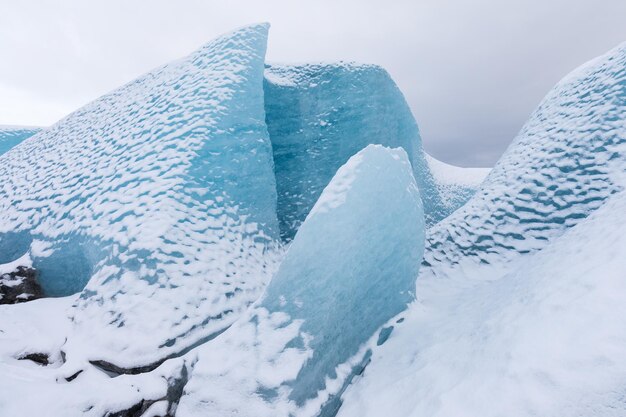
(319, 115)
(161, 194)
(13, 135)
(332, 292)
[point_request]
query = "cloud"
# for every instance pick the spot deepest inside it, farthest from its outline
(471, 71)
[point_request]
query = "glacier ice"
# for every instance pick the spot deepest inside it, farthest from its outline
(171, 196)
(350, 268)
(319, 115)
(161, 194)
(529, 309)
(567, 159)
(13, 135)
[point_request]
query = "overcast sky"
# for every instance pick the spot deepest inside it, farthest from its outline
(472, 71)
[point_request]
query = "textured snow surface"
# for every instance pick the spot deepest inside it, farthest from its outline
(319, 115)
(456, 185)
(567, 159)
(13, 135)
(331, 294)
(520, 298)
(161, 194)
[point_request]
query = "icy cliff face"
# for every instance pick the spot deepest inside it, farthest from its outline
(333, 291)
(319, 115)
(13, 135)
(161, 194)
(534, 268)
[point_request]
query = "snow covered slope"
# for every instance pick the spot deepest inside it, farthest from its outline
(522, 290)
(13, 135)
(161, 194)
(333, 292)
(569, 157)
(456, 185)
(319, 115)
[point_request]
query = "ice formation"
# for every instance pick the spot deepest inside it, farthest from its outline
(13, 135)
(350, 269)
(319, 115)
(534, 264)
(567, 159)
(169, 197)
(161, 194)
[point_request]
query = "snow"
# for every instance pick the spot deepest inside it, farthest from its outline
(12, 266)
(456, 185)
(333, 292)
(159, 197)
(447, 174)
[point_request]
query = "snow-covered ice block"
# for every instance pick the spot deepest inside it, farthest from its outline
(568, 158)
(10, 136)
(161, 194)
(349, 270)
(319, 115)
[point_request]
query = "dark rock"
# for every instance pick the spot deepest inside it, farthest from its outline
(40, 358)
(19, 286)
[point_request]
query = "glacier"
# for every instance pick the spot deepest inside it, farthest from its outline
(330, 295)
(13, 135)
(159, 199)
(319, 115)
(226, 236)
(521, 289)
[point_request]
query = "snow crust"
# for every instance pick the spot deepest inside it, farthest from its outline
(332, 293)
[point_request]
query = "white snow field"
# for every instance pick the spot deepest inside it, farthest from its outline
(222, 237)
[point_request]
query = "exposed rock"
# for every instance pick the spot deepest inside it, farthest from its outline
(19, 286)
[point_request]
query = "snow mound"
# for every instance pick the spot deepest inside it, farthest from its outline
(566, 161)
(349, 270)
